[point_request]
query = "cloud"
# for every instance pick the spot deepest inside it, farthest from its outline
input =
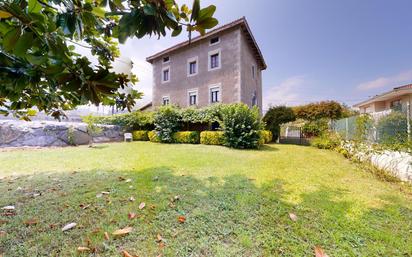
(403, 77)
(285, 93)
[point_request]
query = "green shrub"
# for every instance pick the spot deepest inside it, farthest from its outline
(212, 138)
(241, 126)
(153, 137)
(129, 121)
(266, 135)
(364, 125)
(315, 128)
(326, 141)
(186, 137)
(140, 135)
(276, 116)
(167, 121)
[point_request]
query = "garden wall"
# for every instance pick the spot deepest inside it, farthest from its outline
(51, 133)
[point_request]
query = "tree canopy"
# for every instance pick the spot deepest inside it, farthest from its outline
(38, 63)
(276, 116)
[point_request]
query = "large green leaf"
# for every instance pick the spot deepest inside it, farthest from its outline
(177, 31)
(208, 23)
(11, 38)
(195, 10)
(206, 13)
(34, 6)
(24, 43)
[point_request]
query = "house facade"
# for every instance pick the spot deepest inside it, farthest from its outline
(399, 98)
(223, 66)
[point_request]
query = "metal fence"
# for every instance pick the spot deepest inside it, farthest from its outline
(389, 127)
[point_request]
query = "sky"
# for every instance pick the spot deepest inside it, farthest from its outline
(315, 49)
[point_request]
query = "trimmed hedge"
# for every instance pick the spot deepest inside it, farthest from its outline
(186, 137)
(212, 138)
(153, 137)
(266, 136)
(140, 135)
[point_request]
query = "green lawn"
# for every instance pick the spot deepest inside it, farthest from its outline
(236, 203)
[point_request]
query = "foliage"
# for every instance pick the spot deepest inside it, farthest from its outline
(241, 126)
(39, 65)
(212, 138)
(364, 125)
(70, 136)
(266, 135)
(186, 137)
(140, 135)
(276, 116)
(393, 128)
(92, 128)
(129, 121)
(321, 110)
(167, 121)
(315, 128)
(153, 137)
(326, 141)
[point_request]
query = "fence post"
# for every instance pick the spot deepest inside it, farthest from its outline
(346, 128)
(408, 119)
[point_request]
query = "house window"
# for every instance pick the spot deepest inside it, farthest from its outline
(166, 74)
(166, 59)
(254, 99)
(166, 100)
(396, 105)
(215, 94)
(214, 60)
(192, 66)
(192, 97)
(214, 41)
(253, 71)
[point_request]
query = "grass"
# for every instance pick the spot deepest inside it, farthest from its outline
(236, 203)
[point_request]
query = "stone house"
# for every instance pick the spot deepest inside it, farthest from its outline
(223, 66)
(398, 98)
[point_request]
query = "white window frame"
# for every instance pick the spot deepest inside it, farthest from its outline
(194, 90)
(219, 96)
(163, 100)
(190, 60)
(217, 51)
(162, 74)
(163, 59)
(213, 44)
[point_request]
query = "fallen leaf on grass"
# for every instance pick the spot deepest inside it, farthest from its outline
(131, 199)
(9, 208)
(2, 233)
(319, 252)
(128, 180)
(293, 217)
(83, 249)
(106, 236)
(181, 219)
(122, 232)
(159, 238)
(69, 226)
(84, 206)
(126, 254)
(31, 222)
(132, 215)
(141, 206)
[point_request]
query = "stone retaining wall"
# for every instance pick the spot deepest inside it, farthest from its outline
(51, 133)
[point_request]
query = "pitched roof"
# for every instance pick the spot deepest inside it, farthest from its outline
(242, 22)
(395, 92)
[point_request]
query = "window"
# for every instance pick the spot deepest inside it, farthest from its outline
(166, 100)
(214, 41)
(166, 59)
(215, 94)
(214, 60)
(166, 74)
(396, 105)
(253, 71)
(192, 67)
(192, 97)
(254, 98)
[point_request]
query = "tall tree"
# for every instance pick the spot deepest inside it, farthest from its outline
(38, 64)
